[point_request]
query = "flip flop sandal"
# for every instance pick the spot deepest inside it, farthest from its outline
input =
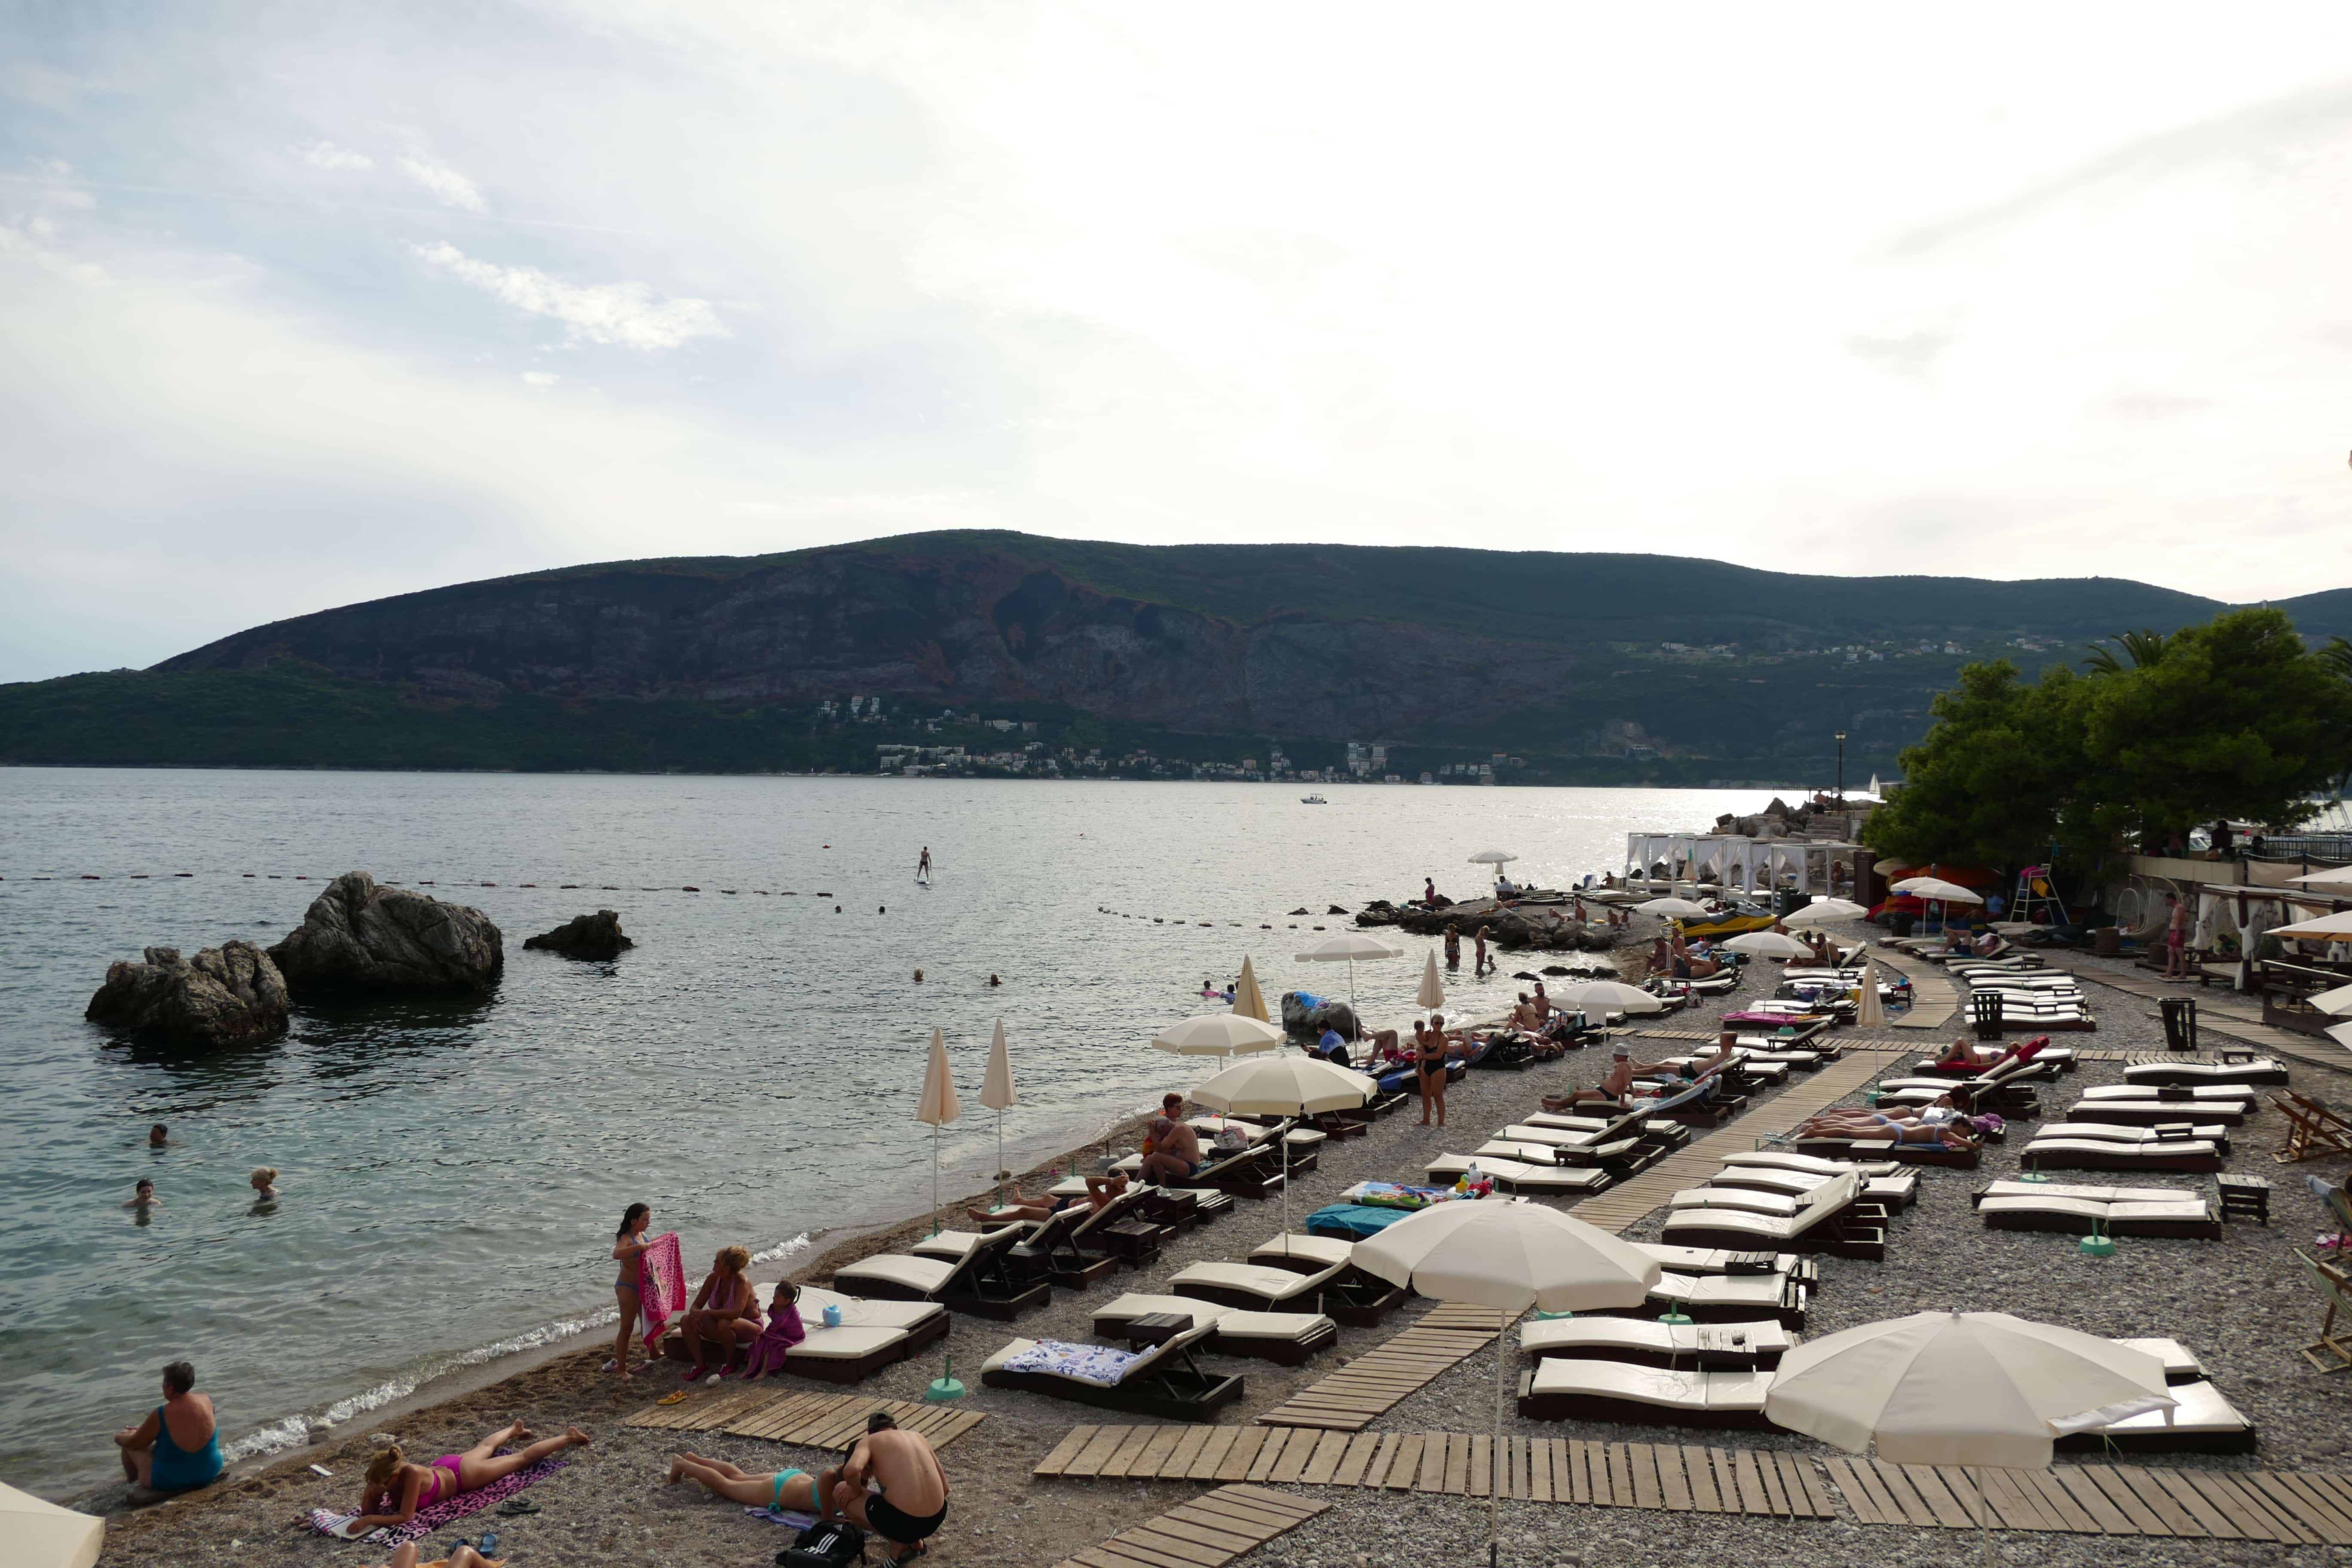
(672, 1398)
(514, 1507)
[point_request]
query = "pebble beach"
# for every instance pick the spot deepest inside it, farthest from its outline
(2241, 1303)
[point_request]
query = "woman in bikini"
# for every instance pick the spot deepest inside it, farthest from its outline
(1429, 1065)
(629, 1246)
(725, 1309)
(396, 1490)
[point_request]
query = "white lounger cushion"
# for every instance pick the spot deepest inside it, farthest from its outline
(1704, 1259)
(1256, 1280)
(2197, 1407)
(2088, 1193)
(1565, 1122)
(1496, 1149)
(2195, 1093)
(1134, 1305)
(2113, 1147)
(848, 1342)
(1323, 1250)
(1269, 1325)
(2177, 1358)
(1762, 1292)
(2114, 1132)
(1229, 1321)
(2208, 1073)
(1512, 1172)
(1747, 1199)
(1694, 1390)
(856, 1311)
(2174, 1109)
(1778, 1159)
(1568, 1336)
(923, 1274)
(2180, 1209)
(954, 1246)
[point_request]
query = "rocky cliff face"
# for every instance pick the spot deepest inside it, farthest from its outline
(962, 632)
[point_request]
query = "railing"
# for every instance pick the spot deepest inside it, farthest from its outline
(2332, 847)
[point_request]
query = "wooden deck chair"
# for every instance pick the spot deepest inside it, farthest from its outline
(1985, 1008)
(2328, 1354)
(2312, 1129)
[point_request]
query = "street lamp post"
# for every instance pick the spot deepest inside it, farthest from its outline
(1841, 776)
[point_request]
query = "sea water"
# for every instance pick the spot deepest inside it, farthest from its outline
(452, 1169)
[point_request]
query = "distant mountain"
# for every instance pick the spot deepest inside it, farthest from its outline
(1585, 665)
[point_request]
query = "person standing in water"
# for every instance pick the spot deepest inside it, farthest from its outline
(923, 865)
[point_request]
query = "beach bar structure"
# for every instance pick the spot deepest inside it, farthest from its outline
(1733, 861)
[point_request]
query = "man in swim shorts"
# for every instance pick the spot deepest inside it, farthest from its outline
(1175, 1146)
(892, 1484)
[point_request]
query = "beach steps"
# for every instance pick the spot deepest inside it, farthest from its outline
(807, 1420)
(2285, 1507)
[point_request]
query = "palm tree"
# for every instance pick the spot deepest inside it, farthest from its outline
(2144, 647)
(2337, 656)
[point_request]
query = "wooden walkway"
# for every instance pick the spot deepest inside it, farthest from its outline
(1460, 1464)
(1211, 1529)
(806, 1420)
(1934, 998)
(1378, 1380)
(2082, 1500)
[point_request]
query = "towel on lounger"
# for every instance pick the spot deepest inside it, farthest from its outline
(661, 1284)
(1097, 1364)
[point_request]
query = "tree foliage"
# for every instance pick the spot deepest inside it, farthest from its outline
(2235, 718)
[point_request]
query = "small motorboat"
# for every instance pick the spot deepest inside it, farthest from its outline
(1312, 800)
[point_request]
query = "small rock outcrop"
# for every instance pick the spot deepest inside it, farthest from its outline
(584, 936)
(358, 936)
(1298, 1018)
(225, 995)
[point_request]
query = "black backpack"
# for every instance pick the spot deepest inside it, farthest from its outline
(827, 1543)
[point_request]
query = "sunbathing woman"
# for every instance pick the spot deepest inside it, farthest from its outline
(1100, 1190)
(724, 1308)
(794, 1491)
(1961, 1054)
(394, 1489)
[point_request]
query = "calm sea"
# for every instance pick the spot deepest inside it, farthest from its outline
(452, 1170)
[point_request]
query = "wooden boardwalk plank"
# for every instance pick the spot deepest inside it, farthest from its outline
(1865, 1501)
(1674, 1490)
(1076, 1438)
(2094, 1502)
(1700, 1474)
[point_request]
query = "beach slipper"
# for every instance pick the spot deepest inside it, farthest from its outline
(671, 1398)
(693, 1374)
(514, 1507)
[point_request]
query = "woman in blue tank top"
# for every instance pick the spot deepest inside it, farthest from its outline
(178, 1445)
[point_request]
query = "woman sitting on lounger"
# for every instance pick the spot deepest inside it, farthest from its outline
(724, 1309)
(1100, 1190)
(782, 1331)
(394, 1489)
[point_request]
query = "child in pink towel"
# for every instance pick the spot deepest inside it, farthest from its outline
(783, 1331)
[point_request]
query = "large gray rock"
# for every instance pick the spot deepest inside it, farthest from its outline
(1298, 1018)
(360, 937)
(584, 936)
(228, 995)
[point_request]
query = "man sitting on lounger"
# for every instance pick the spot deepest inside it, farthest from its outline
(1613, 1089)
(1175, 1152)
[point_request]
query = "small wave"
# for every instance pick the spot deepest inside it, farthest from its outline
(296, 1431)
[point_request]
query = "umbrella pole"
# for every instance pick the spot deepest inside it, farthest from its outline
(1984, 1515)
(1285, 1136)
(1000, 1158)
(935, 1178)
(1498, 1461)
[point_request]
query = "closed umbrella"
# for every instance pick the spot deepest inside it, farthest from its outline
(1431, 996)
(1825, 911)
(1961, 1388)
(43, 1535)
(1870, 1012)
(1767, 944)
(1248, 1000)
(1509, 1256)
(939, 1107)
(996, 1092)
(1352, 949)
(1217, 1035)
(1287, 1085)
(1605, 994)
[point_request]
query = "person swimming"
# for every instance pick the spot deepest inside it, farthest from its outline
(143, 1196)
(264, 1181)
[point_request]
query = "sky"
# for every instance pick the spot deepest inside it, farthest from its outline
(303, 305)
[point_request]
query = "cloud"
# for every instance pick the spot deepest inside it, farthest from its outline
(625, 313)
(327, 155)
(539, 378)
(446, 185)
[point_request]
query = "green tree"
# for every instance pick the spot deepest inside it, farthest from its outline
(2143, 648)
(1987, 783)
(2236, 719)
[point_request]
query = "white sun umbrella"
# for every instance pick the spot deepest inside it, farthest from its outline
(1980, 1389)
(2341, 1034)
(2338, 1001)
(939, 1107)
(1285, 1084)
(1498, 858)
(1934, 890)
(1218, 1034)
(1431, 996)
(996, 1091)
(1355, 947)
(1670, 909)
(1870, 1012)
(1822, 912)
(2342, 874)
(1767, 944)
(2336, 925)
(1509, 1256)
(43, 1535)
(1605, 994)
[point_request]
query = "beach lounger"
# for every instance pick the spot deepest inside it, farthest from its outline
(1520, 1176)
(2180, 1364)
(2183, 1216)
(1560, 1389)
(2314, 1128)
(1864, 1151)
(2139, 1137)
(2157, 1112)
(1163, 1381)
(1726, 1298)
(1125, 1230)
(2202, 1422)
(870, 1336)
(1355, 1298)
(1710, 1261)
(2106, 1155)
(1895, 1192)
(2263, 1070)
(982, 1283)
(1811, 1164)
(2171, 1094)
(1829, 1219)
(1287, 1339)
(1337, 1289)
(1726, 1347)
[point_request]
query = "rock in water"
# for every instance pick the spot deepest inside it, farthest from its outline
(584, 936)
(360, 937)
(1298, 1018)
(225, 995)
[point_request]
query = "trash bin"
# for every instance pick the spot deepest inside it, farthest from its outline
(1902, 924)
(2107, 941)
(2179, 1022)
